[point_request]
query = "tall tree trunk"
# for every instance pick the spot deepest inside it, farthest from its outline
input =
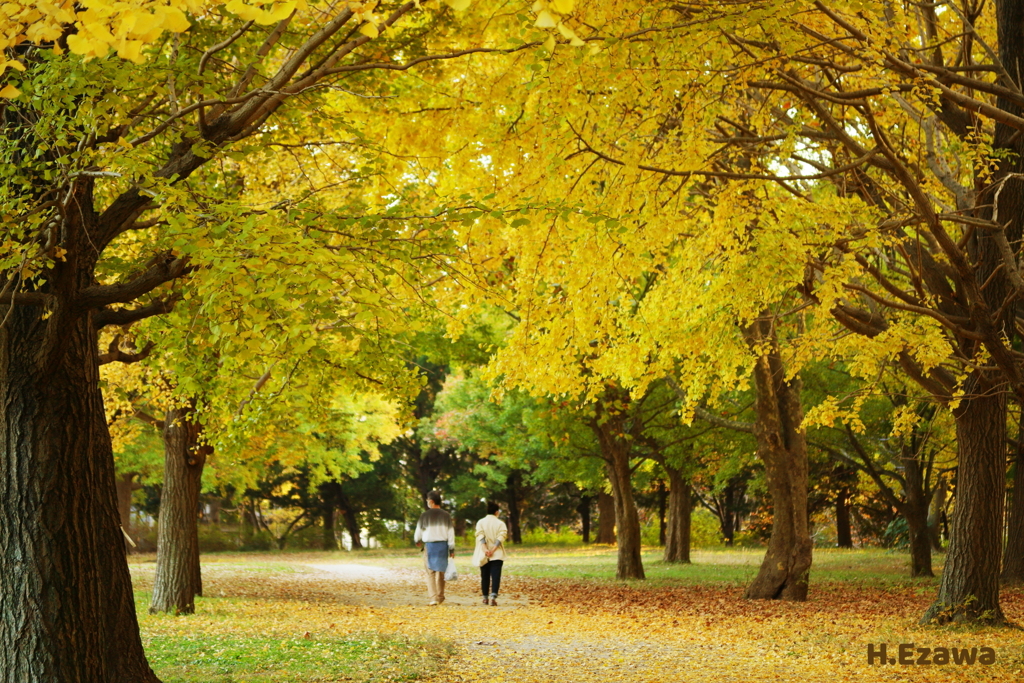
(1013, 552)
(605, 518)
(178, 574)
(969, 591)
(352, 525)
(515, 530)
(677, 538)
(782, 446)
(330, 540)
(67, 612)
(584, 509)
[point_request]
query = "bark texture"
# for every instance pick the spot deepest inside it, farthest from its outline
(178, 574)
(67, 613)
(969, 591)
(783, 449)
(680, 509)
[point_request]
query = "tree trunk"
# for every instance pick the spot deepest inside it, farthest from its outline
(178, 574)
(1013, 552)
(782, 446)
(915, 510)
(605, 518)
(584, 509)
(352, 525)
(330, 540)
(67, 612)
(615, 452)
(125, 485)
(935, 510)
(969, 591)
(844, 537)
(662, 503)
(677, 538)
(515, 531)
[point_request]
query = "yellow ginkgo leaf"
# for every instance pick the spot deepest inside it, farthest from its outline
(9, 91)
(562, 6)
(369, 29)
(458, 4)
(281, 10)
(243, 11)
(574, 40)
(546, 20)
(173, 19)
(549, 44)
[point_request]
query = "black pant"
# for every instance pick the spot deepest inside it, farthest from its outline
(490, 577)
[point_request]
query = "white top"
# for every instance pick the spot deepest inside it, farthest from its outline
(492, 531)
(435, 525)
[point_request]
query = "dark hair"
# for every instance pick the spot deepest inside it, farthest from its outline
(492, 508)
(434, 497)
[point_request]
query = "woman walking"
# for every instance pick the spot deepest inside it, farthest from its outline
(435, 531)
(491, 533)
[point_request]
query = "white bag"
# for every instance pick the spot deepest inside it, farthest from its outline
(450, 573)
(479, 558)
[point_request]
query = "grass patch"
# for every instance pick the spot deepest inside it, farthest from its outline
(227, 658)
(234, 640)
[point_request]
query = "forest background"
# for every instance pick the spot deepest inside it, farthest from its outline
(292, 265)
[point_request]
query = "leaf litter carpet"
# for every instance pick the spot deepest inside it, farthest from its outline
(561, 630)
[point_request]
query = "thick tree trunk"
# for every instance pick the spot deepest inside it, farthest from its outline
(783, 448)
(605, 518)
(584, 509)
(515, 530)
(67, 613)
(844, 535)
(330, 539)
(352, 526)
(1013, 552)
(680, 509)
(178, 574)
(969, 591)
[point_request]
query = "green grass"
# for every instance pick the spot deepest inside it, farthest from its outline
(234, 640)
(226, 658)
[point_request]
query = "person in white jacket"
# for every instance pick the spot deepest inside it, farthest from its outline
(491, 533)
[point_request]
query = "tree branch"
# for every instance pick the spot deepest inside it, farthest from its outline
(127, 316)
(165, 267)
